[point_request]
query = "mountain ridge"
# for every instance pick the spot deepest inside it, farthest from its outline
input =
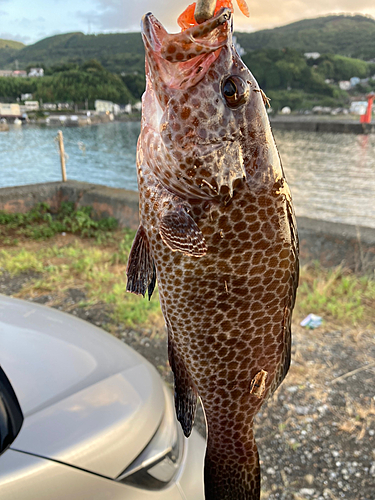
(343, 34)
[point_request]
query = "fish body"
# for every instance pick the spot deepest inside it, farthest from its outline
(218, 233)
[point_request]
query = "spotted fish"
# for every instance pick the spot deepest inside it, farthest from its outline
(218, 233)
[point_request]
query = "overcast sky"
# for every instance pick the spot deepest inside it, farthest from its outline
(31, 20)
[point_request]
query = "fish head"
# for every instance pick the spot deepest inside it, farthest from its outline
(205, 104)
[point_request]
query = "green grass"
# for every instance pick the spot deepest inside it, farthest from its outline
(41, 223)
(336, 294)
(99, 267)
(100, 271)
(21, 261)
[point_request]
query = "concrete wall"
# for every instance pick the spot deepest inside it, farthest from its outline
(330, 243)
(314, 125)
(118, 203)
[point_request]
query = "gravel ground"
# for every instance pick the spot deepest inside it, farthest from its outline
(316, 435)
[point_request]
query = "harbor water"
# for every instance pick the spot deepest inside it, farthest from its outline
(332, 176)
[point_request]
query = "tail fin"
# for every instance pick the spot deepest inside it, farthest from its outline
(232, 472)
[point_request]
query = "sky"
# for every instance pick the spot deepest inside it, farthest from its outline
(28, 21)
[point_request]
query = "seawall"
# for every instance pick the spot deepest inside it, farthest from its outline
(330, 243)
(316, 125)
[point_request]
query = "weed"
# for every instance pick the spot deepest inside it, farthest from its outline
(19, 262)
(100, 269)
(92, 268)
(40, 223)
(336, 294)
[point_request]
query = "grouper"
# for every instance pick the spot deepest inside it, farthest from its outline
(218, 234)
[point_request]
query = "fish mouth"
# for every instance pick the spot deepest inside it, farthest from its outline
(182, 59)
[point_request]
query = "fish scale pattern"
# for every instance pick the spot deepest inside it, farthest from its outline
(218, 218)
(228, 317)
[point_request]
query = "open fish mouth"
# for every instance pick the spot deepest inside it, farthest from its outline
(182, 59)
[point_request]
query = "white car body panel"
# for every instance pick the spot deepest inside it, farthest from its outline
(33, 478)
(91, 405)
(98, 428)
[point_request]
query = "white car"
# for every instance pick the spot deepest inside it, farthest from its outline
(98, 421)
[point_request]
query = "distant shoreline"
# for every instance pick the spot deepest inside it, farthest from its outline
(301, 123)
(321, 124)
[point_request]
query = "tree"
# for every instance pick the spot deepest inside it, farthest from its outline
(90, 82)
(136, 83)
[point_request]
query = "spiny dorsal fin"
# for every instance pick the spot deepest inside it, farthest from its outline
(180, 233)
(141, 268)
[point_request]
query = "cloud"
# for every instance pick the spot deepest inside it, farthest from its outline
(15, 37)
(268, 14)
(27, 22)
(116, 15)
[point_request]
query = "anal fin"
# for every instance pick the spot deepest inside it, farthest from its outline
(141, 267)
(185, 395)
(180, 233)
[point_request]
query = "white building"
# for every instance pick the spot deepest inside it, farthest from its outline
(31, 105)
(64, 105)
(345, 85)
(12, 109)
(106, 107)
(36, 72)
(312, 55)
(19, 73)
(6, 72)
(49, 106)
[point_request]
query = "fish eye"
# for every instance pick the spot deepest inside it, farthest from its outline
(235, 91)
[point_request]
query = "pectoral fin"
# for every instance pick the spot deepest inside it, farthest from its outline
(180, 233)
(141, 267)
(185, 396)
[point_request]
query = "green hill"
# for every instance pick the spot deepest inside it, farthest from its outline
(275, 57)
(8, 52)
(352, 36)
(10, 44)
(346, 35)
(117, 52)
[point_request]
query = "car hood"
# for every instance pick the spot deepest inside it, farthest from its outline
(88, 399)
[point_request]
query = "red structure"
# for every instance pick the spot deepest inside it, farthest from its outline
(366, 118)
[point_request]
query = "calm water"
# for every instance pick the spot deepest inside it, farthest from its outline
(332, 176)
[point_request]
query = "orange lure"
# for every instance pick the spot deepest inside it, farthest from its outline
(187, 20)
